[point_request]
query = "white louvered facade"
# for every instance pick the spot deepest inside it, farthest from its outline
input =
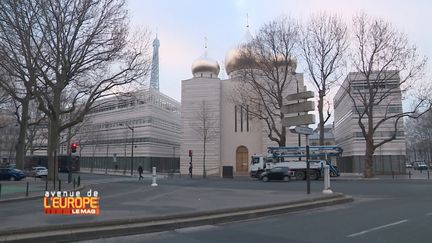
(387, 158)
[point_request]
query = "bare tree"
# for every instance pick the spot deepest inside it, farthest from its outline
(16, 66)
(79, 51)
(387, 66)
(267, 70)
(324, 42)
(205, 128)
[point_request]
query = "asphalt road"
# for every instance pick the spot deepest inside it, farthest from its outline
(128, 198)
(383, 211)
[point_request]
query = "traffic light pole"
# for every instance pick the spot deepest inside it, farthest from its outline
(73, 149)
(290, 121)
(307, 165)
(132, 155)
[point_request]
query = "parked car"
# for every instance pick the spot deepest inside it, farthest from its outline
(277, 173)
(11, 174)
(420, 165)
(40, 171)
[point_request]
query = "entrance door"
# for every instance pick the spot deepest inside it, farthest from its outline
(242, 159)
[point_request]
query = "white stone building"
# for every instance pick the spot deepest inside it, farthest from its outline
(146, 121)
(236, 135)
(387, 158)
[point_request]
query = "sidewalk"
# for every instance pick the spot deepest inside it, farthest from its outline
(410, 175)
(126, 173)
(29, 188)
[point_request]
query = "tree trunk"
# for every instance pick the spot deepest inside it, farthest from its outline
(20, 146)
(69, 138)
(321, 117)
(283, 137)
(368, 171)
(52, 148)
(204, 158)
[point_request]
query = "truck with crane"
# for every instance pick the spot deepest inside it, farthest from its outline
(295, 159)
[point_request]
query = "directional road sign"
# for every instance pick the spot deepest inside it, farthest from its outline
(302, 130)
(298, 120)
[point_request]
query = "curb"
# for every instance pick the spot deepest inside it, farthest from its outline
(121, 227)
(14, 199)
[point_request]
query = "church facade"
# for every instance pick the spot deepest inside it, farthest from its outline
(233, 134)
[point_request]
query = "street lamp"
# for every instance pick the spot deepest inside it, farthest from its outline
(132, 150)
(172, 161)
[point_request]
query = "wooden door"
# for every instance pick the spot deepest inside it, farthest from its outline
(242, 159)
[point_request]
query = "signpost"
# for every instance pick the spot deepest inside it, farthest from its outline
(298, 120)
(301, 130)
(302, 105)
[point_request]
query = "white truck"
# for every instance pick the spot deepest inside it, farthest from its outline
(289, 157)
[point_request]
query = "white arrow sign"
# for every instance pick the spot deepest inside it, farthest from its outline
(301, 130)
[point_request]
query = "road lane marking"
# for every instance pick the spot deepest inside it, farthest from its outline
(195, 229)
(429, 214)
(377, 228)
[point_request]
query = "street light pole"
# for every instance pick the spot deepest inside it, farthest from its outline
(172, 161)
(132, 155)
(132, 149)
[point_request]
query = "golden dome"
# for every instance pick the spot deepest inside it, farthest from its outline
(205, 65)
(234, 60)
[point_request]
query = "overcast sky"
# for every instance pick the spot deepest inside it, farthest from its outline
(182, 25)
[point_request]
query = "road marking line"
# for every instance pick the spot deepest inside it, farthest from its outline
(429, 214)
(378, 228)
(194, 229)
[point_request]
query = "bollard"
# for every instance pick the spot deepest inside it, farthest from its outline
(27, 189)
(327, 189)
(409, 174)
(59, 185)
(393, 175)
(46, 183)
(154, 177)
(428, 174)
(74, 183)
(79, 181)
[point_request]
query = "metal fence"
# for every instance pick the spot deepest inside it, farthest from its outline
(164, 165)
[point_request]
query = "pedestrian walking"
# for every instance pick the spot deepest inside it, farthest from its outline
(140, 172)
(190, 169)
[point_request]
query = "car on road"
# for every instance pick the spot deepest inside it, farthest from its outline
(277, 173)
(39, 171)
(408, 165)
(420, 165)
(11, 174)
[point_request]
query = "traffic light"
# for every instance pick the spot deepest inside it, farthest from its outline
(190, 153)
(74, 147)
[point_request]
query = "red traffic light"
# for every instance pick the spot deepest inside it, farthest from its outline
(74, 147)
(190, 153)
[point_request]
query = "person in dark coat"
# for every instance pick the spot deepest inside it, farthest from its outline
(190, 169)
(140, 172)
